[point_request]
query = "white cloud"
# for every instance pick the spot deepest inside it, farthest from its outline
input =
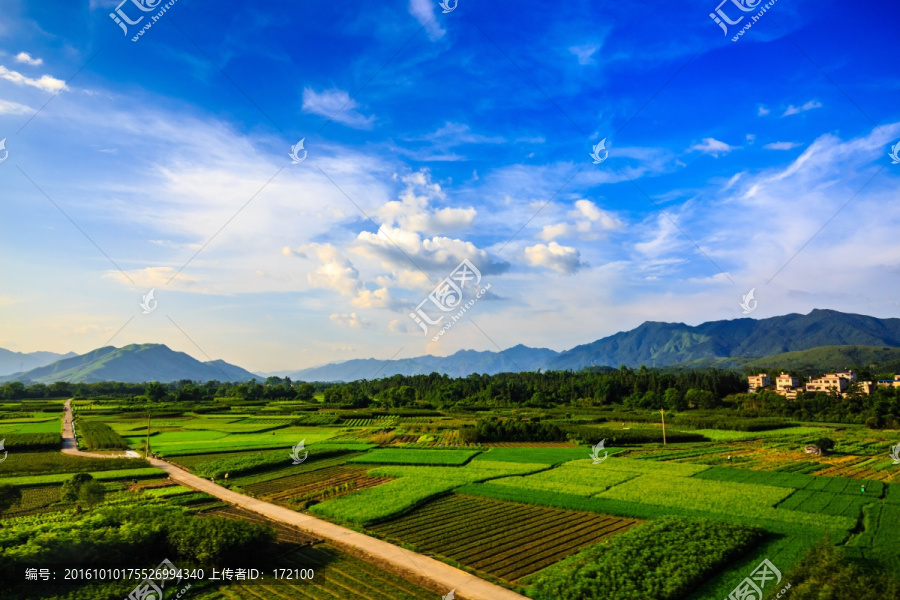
(781, 145)
(336, 272)
(424, 12)
(414, 213)
(713, 147)
(762, 110)
(14, 108)
(563, 259)
(150, 277)
(585, 53)
(793, 110)
(24, 57)
(350, 320)
(589, 223)
(336, 105)
(46, 82)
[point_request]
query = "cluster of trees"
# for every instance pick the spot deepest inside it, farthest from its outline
(511, 430)
(643, 388)
(877, 410)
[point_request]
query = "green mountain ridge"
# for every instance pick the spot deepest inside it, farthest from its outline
(134, 363)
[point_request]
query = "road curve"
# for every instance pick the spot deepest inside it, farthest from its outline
(467, 586)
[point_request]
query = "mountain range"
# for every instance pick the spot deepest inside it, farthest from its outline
(135, 363)
(781, 340)
(17, 362)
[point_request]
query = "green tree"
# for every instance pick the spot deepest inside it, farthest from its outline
(155, 391)
(91, 494)
(71, 488)
(9, 496)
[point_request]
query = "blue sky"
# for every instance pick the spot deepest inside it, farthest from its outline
(434, 138)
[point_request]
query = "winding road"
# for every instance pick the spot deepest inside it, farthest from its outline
(467, 586)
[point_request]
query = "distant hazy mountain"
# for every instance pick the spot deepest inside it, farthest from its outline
(135, 364)
(651, 344)
(464, 362)
(863, 340)
(15, 362)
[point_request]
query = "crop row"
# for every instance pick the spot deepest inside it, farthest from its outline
(29, 442)
(839, 505)
(95, 435)
(398, 456)
(506, 540)
(797, 481)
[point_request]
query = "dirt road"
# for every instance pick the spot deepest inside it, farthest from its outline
(466, 585)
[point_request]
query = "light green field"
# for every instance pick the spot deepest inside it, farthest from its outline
(722, 435)
(570, 480)
(413, 486)
(31, 426)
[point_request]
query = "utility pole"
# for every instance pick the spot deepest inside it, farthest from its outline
(662, 412)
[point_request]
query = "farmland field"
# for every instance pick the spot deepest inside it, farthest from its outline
(397, 456)
(532, 516)
(506, 540)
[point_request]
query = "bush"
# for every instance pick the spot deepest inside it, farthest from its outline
(30, 442)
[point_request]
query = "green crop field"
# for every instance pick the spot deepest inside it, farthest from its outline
(505, 540)
(398, 456)
(688, 520)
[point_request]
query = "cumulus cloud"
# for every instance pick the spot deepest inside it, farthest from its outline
(336, 272)
(414, 213)
(793, 110)
(713, 147)
(336, 105)
(589, 223)
(563, 259)
(46, 82)
(24, 57)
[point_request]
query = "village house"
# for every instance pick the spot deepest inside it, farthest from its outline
(758, 381)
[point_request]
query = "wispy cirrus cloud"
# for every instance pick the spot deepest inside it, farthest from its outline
(45, 82)
(795, 110)
(337, 106)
